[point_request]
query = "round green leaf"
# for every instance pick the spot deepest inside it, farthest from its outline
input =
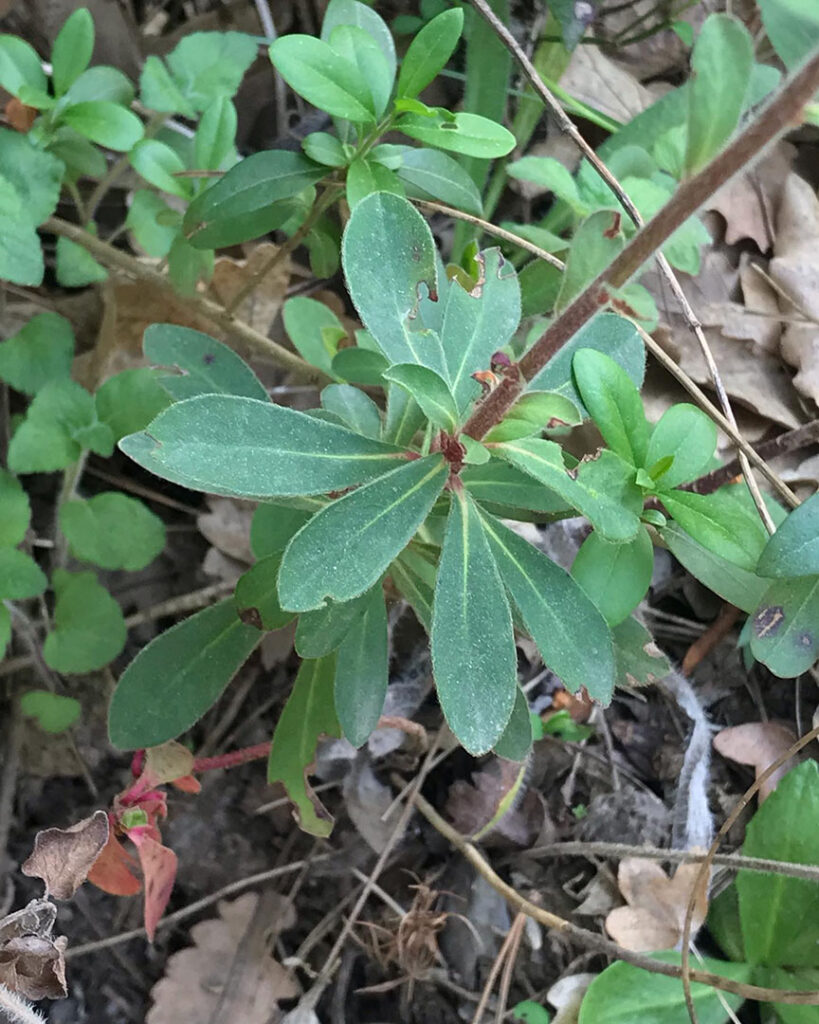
(685, 432)
(128, 401)
(89, 630)
(615, 576)
(53, 712)
(112, 531)
(41, 351)
(20, 576)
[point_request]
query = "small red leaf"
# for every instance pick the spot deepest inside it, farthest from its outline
(159, 871)
(113, 870)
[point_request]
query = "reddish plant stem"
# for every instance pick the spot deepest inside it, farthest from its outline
(780, 114)
(232, 759)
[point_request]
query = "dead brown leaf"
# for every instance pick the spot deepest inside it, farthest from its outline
(227, 527)
(62, 857)
(795, 268)
(229, 975)
(494, 802)
(749, 202)
(605, 85)
(32, 963)
(654, 918)
(758, 744)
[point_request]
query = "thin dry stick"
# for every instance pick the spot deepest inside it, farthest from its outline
(494, 971)
(701, 881)
(568, 126)
(491, 229)
(737, 861)
(194, 908)
(508, 967)
(118, 260)
(292, 243)
(591, 939)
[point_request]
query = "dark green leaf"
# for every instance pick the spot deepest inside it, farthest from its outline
(735, 585)
(71, 52)
(473, 644)
(20, 576)
(806, 978)
(615, 576)
(272, 527)
(347, 546)
(355, 409)
(567, 628)
(41, 351)
(361, 671)
(780, 915)
(785, 626)
(516, 741)
(469, 134)
(308, 715)
(720, 72)
(112, 530)
(325, 149)
(638, 659)
(257, 599)
(89, 630)
(685, 432)
(360, 366)
(623, 994)
(365, 177)
(794, 548)
(173, 681)
(387, 253)
(602, 488)
(5, 629)
(429, 390)
(215, 135)
(201, 365)
(187, 266)
(608, 333)
(322, 630)
(595, 243)
(430, 174)
(498, 483)
(242, 447)
(614, 403)
(313, 69)
(15, 512)
(415, 579)
(245, 203)
(429, 51)
(720, 523)
(107, 124)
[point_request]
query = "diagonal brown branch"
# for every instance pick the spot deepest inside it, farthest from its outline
(692, 194)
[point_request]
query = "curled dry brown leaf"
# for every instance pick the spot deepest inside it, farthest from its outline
(62, 857)
(654, 918)
(32, 963)
(758, 744)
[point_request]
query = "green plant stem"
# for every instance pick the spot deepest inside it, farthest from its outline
(68, 491)
(769, 123)
(320, 206)
(701, 881)
(116, 259)
(491, 229)
(117, 169)
(591, 939)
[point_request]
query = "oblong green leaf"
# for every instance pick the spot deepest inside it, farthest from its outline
(242, 447)
(569, 631)
(173, 681)
(602, 488)
(735, 585)
(614, 403)
(429, 390)
(15, 511)
(355, 409)
(387, 253)
(516, 741)
(595, 243)
(272, 527)
(308, 715)
(780, 915)
(323, 77)
(639, 661)
(365, 177)
(498, 483)
(479, 322)
(361, 671)
(202, 365)
(685, 432)
(347, 546)
(246, 202)
(430, 174)
(358, 47)
(351, 12)
(314, 329)
(257, 596)
(720, 72)
(615, 576)
(472, 641)
(469, 134)
(624, 994)
(360, 366)
(785, 626)
(322, 630)
(20, 66)
(720, 523)
(112, 530)
(71, 52)
(429, 51)
(107, 124)
(89, 630)
(794, 549)
(159, 164)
